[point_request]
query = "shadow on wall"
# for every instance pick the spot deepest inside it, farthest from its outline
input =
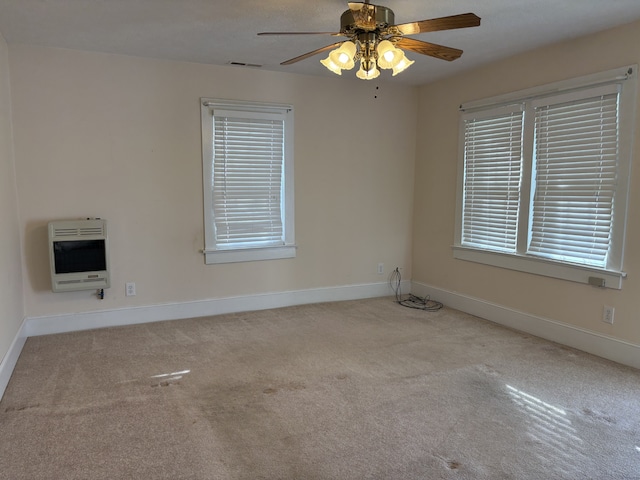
(36, 254)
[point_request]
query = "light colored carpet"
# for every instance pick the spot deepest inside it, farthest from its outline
(349, 390)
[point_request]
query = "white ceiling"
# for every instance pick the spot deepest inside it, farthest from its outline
(219, 32)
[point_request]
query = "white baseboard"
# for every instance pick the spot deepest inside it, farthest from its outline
(174, 311)
(591, 342)
(45, 325)
(11, 358)
(581, 339)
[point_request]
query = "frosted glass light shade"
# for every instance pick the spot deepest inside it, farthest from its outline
(343, 56)
(327, 62)
(402, 65)
(370, 74)
(388, 55)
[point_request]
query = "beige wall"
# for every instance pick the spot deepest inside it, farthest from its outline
(118, 137)
(11, 301)
(435, 190)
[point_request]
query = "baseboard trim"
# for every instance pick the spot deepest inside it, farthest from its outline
(579, 338)
(64, 323)
(72, 322)
(585, 340)
(11, 358)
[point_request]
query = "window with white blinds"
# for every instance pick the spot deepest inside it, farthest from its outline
(492, 177)
(248, 181)
(544, 179)
(576, 168)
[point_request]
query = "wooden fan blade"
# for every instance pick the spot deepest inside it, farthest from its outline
(463, 20)
(335, 34)
(431, 49)
(311, 54)
(364, 15)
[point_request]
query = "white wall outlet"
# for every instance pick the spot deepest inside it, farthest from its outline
(130, 289)
(380, 268)
(607, 314)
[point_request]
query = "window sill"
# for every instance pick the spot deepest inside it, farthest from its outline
(538, 266)
(249, 254)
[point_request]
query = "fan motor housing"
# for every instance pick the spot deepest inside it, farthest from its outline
(383, 18)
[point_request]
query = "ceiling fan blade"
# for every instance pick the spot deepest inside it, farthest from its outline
(335, 34)
(311, 54)
(463, 20)
(431, 49)
(364, 15)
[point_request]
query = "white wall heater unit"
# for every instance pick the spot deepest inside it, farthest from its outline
(79, 255)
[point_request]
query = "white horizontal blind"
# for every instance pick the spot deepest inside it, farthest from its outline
(576, 158)
(492, 179)
(248, 151)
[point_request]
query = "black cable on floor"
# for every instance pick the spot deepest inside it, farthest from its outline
(411, 301)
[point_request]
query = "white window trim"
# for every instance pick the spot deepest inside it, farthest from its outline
(288, 249)
(611, 277)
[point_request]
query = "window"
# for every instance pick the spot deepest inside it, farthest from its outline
(544, 179)
(247, 153)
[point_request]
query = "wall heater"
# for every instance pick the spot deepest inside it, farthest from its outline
(79, 255)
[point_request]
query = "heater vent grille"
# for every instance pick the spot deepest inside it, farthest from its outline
(78, 232)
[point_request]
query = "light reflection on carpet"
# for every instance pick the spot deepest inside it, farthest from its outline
(166, 379)
(549, 427)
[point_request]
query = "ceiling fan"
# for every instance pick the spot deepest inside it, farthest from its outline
(374, 40)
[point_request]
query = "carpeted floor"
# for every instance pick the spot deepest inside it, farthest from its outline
(349, 390)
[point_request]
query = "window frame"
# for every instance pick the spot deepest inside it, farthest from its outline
(214, 254)
(613, 274)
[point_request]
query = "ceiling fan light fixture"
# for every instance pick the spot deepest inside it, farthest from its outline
(373, 36)
(388, 55)
(402, 65)
(343, 56)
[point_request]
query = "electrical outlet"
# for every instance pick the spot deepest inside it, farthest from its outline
(380, 268)
(130, 289)
(607, 314)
